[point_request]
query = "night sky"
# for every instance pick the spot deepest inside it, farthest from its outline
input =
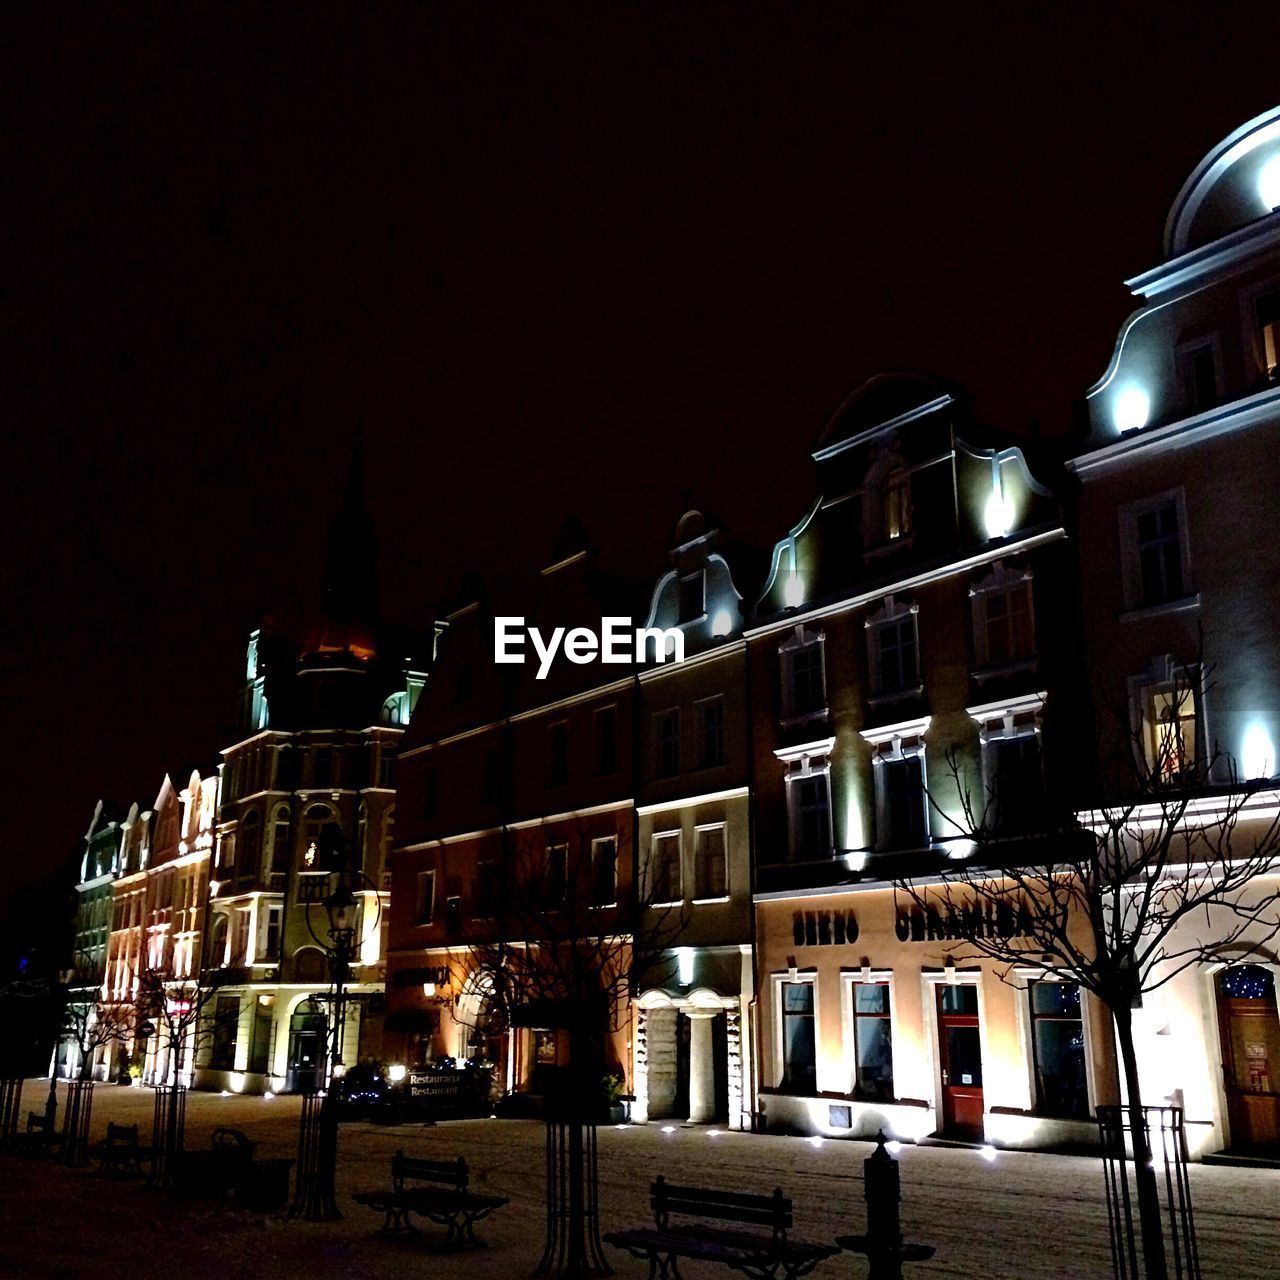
(592, 258)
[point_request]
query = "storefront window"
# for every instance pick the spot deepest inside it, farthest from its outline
(872, 1042)
(799, 1045)
(1057, 1037)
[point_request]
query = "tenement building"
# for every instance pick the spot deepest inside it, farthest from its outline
(1181, 602)
(909, 681)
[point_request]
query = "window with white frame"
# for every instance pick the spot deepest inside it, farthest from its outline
(710, 879)
(808, 783)
(604, 871)
(1003, 617)
(804, 683)
(872, 1047)
(1058, 1049)
(1012, 771)
(898, 768)
(1166, 709)
(893, 650)
(799, 1040)
(1154, 551)
(664, 869)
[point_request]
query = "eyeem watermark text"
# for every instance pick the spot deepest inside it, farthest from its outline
(618, 640)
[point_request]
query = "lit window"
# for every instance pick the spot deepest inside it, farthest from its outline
(668, 742)
(1171, 732)
(897, 505)
(712, 732)
(604, 871)
(799, 1039)
(710, 880)
(872, 1042)
(1268, 311)
(664, 869)
(1057, 1039)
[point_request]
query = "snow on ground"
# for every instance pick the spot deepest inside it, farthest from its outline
(1018, 1217)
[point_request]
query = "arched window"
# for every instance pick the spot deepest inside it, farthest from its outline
(394, 708)
(250, 844)
(316, 818)
(280, 841)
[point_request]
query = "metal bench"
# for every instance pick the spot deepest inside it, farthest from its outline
(445, 1199)
(119, 1153)
(217, 1171)
(759, 1255)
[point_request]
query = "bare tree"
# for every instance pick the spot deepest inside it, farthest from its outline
(89, 1022)
(1100, 896)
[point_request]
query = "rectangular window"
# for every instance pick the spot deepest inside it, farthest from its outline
(226, 1017)
(280, 847)
(712, 732)
(604, 739)
(557, 874)
(811, 816)
(1010, 633)
(426, 905)
(664, 869)
(1171, 732)
(1159, 552)
(903, 802)
(1268, 307)
(710, 877)
(806, 686)
(604, 871)
(271, 946)
(895, 648)
(799, 1039)
(692, 596)
(872, 1042)
(1200, 377)
(668, 739)
(558, 754)
(1057, 1038)
(1016, 783)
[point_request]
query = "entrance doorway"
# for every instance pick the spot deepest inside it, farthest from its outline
(308, 1032)
(1250, 1029)
(960, 1057)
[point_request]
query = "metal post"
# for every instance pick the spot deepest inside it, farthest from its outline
(882, 1244)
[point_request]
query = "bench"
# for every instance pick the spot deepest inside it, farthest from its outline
(41, 1134)
(760, 1255)
(218, 1170)
(445, 1199)
(119, 1153)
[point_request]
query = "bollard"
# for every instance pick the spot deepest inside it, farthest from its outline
(882, 1244)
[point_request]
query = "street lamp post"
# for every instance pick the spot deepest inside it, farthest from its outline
(315, 1199)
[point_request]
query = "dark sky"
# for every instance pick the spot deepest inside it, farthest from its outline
(541, 259)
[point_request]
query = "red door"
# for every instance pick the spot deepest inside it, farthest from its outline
(960, 1054)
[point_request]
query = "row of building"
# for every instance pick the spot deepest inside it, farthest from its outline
(957, 629)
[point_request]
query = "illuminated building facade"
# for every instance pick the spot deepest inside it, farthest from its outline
(1181, 591)
(911, 643)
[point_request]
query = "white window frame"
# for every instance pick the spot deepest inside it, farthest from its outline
(1164, 674)
(891, 612)
(1130, 566)
(667, 834)
(893, 743)
(777, 979)
(1001, 722)
(698, 829)
(801, 638)
(810, 759)
(850, 978)
(1023, 976)
(596, 842)
(1002, 580)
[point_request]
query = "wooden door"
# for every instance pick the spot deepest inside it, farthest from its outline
(960, 1057)
(1250, 1030)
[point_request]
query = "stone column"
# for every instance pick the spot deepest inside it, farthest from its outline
(702, 1067)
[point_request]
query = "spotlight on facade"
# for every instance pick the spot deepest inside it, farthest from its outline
(793, 590)
(684, 966)
(1269, 182)
(1131, 409)
(997, 515)
(721, 623)
(1257, 756)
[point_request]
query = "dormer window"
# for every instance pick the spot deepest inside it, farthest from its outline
(804, 682)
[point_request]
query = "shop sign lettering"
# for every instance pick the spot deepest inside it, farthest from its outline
(824, 928)
(961, 923)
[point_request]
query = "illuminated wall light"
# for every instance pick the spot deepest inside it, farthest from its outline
(793, 590)
(997, 515)
(853, 835)
(684, 965)
(856, 861)
(1131, 408)
(397, 1072)
(1269, 182)
(721, 623)
(1257, 754)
